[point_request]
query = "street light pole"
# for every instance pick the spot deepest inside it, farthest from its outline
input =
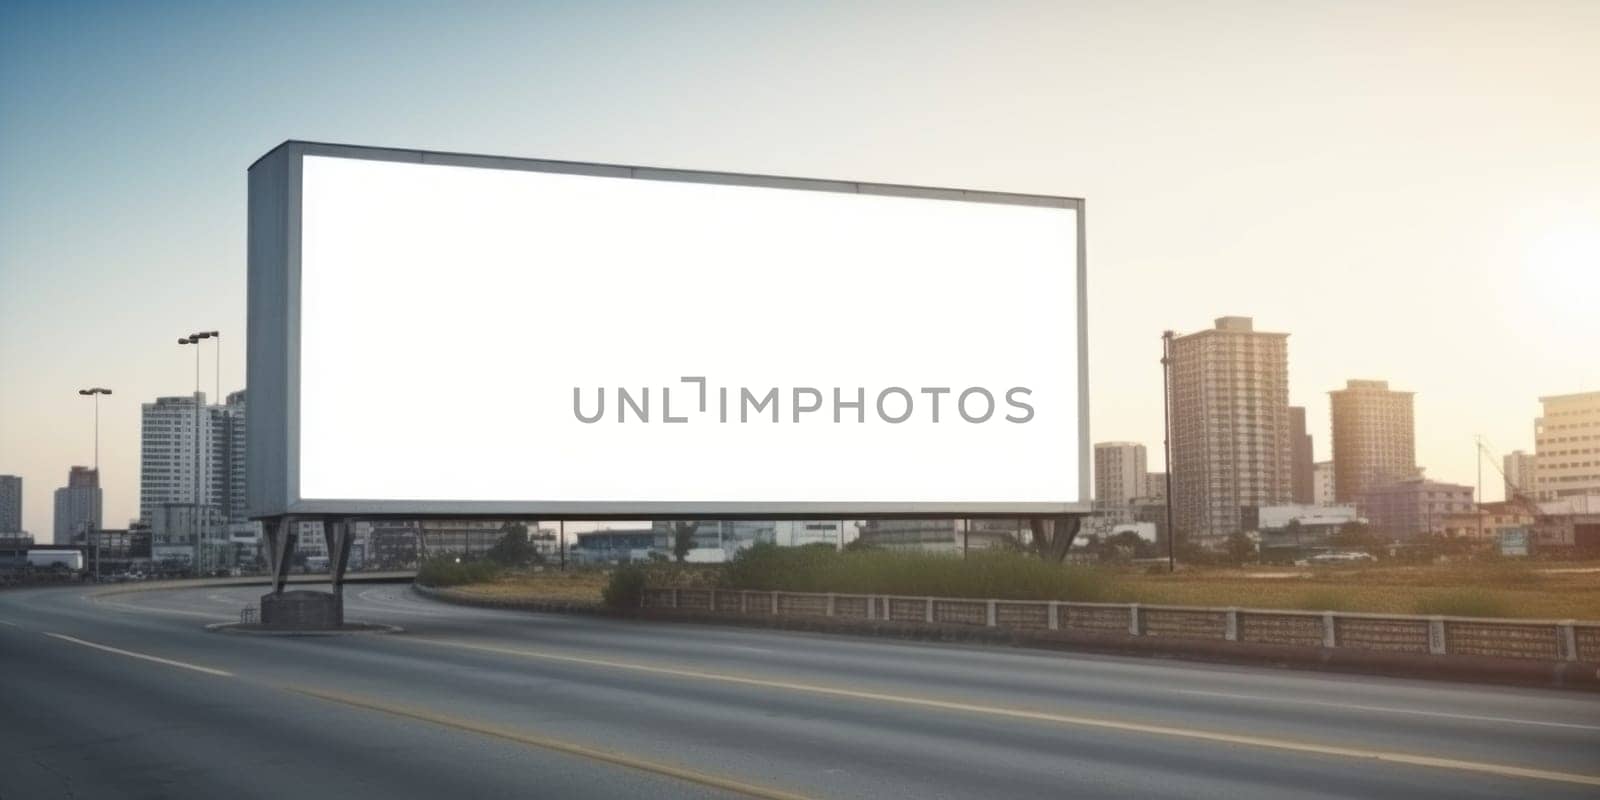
(194, 517)
(218, 336)
(1166, 442)
(94, 527)
(210, 511)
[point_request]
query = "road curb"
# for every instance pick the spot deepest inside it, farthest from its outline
(1572, 675)
(365, 629)
(111, 590)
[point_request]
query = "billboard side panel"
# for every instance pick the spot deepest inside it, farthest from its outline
(1085, 488)
(267, 378)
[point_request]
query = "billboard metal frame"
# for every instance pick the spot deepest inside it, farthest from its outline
(273, 377)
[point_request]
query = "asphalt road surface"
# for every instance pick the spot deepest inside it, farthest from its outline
(131, 696)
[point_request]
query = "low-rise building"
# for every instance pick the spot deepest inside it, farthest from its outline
(1569, 527)
(1489, 523)
(616, 546)
(1414, 507)
(942, 535)
(1293, 531)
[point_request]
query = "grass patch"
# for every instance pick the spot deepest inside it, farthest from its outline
(1006, 576)
(1325, 599)
(1466, 602)
(1528, 590)
(447, 571)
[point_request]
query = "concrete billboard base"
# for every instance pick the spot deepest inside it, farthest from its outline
(302, 610)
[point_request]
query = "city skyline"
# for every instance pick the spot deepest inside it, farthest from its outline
(1481, 253)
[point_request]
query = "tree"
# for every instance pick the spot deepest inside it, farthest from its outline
(1241, 548)
(513, 549)
(1053, 536)
(1356, 536)
(683, 538)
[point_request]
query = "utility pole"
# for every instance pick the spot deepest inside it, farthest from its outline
(1477, 507)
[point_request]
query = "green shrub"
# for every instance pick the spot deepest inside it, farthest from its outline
(447, 571)
(1471, 602)
(1003, 575)
(625, 589)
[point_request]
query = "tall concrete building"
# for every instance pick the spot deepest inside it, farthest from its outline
(1119, 472)
(1322, 486)
(10, 503)
(1300, 459)
(1374, 438)
(1155, 486)
(228, 421)
(78, 505)
(168, 457)
(1567, 446)
(1231, 447)
(180, 448)
(1518, 467)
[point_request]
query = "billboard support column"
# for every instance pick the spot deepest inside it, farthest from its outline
(280, 546)
(336, 534)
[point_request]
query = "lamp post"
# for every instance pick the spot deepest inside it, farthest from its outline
(218, 398)
(94, 527)
(194, 519)
(1166, 441)
(218, 336)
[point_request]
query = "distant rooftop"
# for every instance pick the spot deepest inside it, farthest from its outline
(1233, 325)
(1571, 398)
(1355, 385)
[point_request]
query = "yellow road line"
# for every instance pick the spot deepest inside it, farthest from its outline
(556, 745)
(1312, 748)
(129, 653)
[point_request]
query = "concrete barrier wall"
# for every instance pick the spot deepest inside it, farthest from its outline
(1540, 640)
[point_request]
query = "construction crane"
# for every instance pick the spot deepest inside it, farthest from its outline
(1514, 491)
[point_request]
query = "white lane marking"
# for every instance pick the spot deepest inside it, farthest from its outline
(1388, 710)
(743, 648)
(1102, 723)
(149, 610)
(129, 653)
(9, 624)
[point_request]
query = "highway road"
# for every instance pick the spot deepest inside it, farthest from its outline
(131, 696)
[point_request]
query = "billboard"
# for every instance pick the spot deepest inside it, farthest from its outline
(447, 334)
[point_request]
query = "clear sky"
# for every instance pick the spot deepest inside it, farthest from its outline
(1412, 190)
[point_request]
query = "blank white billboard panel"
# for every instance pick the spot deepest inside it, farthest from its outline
(463, 336)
